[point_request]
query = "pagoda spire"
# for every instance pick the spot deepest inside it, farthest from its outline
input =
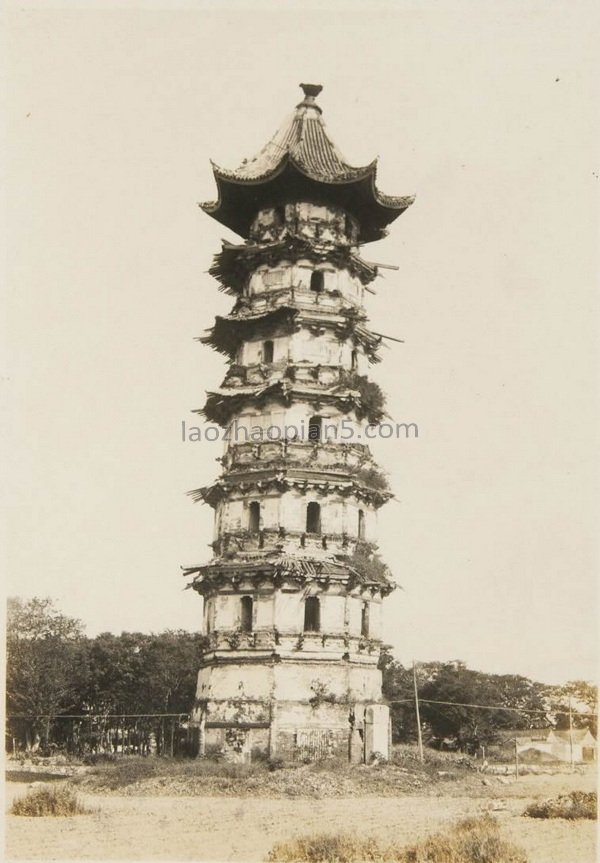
(311, 91)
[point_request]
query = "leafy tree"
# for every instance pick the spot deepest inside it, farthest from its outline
(397, 687)
(138, 673)
(170, 661)
(116, 674)
(472, 726)
(454, 683)
(46, 665)
(582, 697)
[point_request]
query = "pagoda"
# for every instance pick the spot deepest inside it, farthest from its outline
(293, 592)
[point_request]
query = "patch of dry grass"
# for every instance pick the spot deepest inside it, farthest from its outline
(58, 802)
(474, 840)
(577, 804)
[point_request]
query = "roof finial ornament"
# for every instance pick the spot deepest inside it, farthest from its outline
(311, 91)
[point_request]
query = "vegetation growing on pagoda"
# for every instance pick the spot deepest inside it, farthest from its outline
(369, 564)
(372, 400)
(229, 332)
(221, 408)
(233, 264)
(373, 477)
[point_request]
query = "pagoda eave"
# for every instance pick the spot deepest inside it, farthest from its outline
(240, 198)
(232, 264)
(229, 331)
(263, 480)
(221, 406)
(282, 570)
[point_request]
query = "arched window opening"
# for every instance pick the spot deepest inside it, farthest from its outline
(361, 524)
(315, 428)
(312, 614)
(246, 613)
(313, 517)
(254, 516)
(268, 351)
(317, 281)
(364, 619)
(354, 360)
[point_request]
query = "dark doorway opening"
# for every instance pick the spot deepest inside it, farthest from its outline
(246, 613)
(317, 281)
(254, 516)
(312, 614)
(268, 349)
(361, 524)
(364, 619)
(315, 428)
(313, 517)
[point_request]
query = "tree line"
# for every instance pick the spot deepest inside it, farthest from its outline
(56, 673)
(54, 670)
(504, 702)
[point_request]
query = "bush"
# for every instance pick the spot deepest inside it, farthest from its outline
(324, 848)
(577, 804)
(49, 801)
(99, 758)
(475, 840)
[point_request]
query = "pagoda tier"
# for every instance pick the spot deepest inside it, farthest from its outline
(234, 263)
(288, 310)
(293, 592)
(301, 163)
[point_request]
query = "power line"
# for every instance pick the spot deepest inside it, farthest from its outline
(492, 707)
(96, 715)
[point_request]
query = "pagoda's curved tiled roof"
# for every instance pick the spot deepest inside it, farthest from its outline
(303, 151)
(304, 141)
(306, 569)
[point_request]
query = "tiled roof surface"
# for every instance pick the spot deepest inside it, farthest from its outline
(286, 563)
(304, 140)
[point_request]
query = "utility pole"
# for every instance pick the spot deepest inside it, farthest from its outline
(571, 733)
(516, 758)
(419, 735)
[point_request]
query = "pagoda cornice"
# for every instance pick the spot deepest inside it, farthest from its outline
(222, 405)
(233, 264)
(284, 571)
(296, 542)
(347, 459)
(336, 455)
(230, 331)
(241, 194)
(282, 480)
(325, 375)
(233, 645)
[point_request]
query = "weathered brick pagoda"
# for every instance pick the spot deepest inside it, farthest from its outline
(292, 596)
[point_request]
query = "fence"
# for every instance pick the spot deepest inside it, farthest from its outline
(101, 734)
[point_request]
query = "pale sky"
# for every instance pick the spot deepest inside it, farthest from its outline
(488, 113)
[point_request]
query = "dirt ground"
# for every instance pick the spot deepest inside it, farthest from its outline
(233, 829)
